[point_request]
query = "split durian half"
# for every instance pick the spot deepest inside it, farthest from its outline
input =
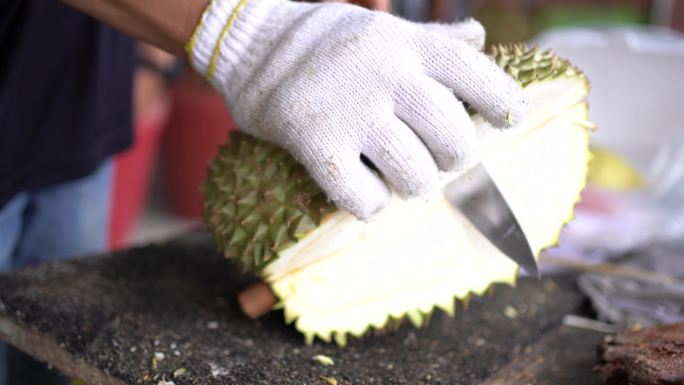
(337, 276)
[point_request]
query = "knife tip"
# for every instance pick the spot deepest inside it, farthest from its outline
(532, 271)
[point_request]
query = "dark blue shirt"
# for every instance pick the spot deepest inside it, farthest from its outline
(65, 94)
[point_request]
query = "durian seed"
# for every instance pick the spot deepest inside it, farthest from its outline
(511, 312)
(179, 372)
(329, 380)
(323, 360)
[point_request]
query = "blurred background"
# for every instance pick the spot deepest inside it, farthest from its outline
(631, 50)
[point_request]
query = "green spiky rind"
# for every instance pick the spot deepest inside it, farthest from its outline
(528, 65)
(258, 200)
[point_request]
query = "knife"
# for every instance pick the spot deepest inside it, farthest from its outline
(475, 194)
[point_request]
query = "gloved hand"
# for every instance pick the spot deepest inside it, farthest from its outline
(331, 82)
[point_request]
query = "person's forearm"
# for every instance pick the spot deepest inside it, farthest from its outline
(378, 5)
(167, 24)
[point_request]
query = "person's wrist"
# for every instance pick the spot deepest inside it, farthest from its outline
(230, 32)
(158, 63)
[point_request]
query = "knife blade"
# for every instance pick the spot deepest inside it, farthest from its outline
(476, 195)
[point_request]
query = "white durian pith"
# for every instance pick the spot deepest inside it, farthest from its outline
(346, 276)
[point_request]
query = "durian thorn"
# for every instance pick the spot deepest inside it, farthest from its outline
(451, 309)
(289, 317)
(427, 318)
(415, 317)
(309, 338)
(466, 301)
(340, 338)
(326, 337)
(494, 50)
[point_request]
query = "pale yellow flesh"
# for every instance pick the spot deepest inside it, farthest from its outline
(349, 275)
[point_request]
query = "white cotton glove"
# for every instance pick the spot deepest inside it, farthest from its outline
(331, 82)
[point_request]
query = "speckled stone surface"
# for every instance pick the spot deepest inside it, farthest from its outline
(138, 316)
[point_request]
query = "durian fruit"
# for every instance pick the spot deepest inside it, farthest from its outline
(337, 276)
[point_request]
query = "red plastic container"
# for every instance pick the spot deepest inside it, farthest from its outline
(132, 174)
(198, 124)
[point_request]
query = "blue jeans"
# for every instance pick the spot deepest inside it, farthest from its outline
(58, 222)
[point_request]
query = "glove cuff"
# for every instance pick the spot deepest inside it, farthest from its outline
(233, 35)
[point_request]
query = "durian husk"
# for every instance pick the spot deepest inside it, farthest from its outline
(337, 276)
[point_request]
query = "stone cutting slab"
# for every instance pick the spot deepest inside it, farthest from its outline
(167, 313)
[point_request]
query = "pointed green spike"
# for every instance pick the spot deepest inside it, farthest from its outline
(303, 226)
(257, 254)
(238, 238)
(277, 194)
(251, 217)
(284, 245)
(248, 200)
(278, 236)
(260, 233)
